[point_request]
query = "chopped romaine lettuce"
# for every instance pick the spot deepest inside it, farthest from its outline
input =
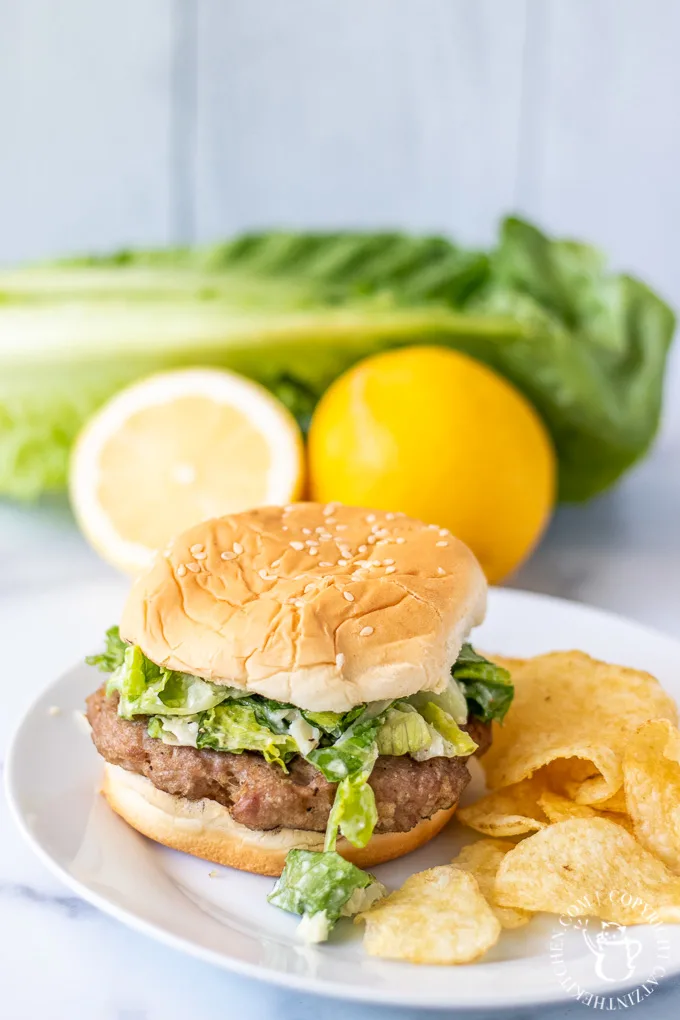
(233, 726)
(147, 689)
(334, 723)
(325, 883)
(488, 688)
(173, 730)
(404, 731)
(458, 743)
(354, 751)
(452, 700)
(354, 813)
(112, 656)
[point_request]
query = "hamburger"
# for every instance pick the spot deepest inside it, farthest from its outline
(291, 692)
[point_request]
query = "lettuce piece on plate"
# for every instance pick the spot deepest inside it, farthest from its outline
(323, 887)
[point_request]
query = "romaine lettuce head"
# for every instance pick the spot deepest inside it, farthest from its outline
(314, 883)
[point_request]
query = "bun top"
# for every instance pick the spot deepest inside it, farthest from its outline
(322, 606)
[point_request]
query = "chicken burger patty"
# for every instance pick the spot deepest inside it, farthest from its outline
(262, 796)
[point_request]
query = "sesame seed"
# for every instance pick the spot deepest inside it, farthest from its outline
(276, 563)
(299, 546)
(339, 660)
(299, 603)
(441, 543)
(375, 563)
(370, 518)
(313, 550)
(365, 631)
(390, 570)
(371, 539)
(362, 549)
(376, 529)
(198, 548)
(306, 531)
(443, 532)
(341, 527)
(238, 548)
(310, 587)
(331, 520)
(325, 536)
(200, 555)
(388, 562)
(389, 517)
(284, 527)
(195, 568)
(325, 563)
(343, 563)
(54, 710)
(433, 527)
(291, 506)
(227, 555)
(181, 570)
(400, 541)
(265, 576)
(440, 570)
(329, 509)
(348, 595)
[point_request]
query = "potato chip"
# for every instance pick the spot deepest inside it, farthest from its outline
(482, 860)
(569, 706)
(558, 808)
(512, 811)
(617, 803)
(437, 917)
(588, 867)
(651, 773)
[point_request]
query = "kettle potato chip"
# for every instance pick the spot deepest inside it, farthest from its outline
(437, 917)
(575, 714)
(482, 859)
(588, 867)
(512, 811)
(558, 808)
(651, 773)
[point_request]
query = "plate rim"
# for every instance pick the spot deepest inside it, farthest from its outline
(311, 985)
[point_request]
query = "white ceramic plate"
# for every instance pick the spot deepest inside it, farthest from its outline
(52, 778)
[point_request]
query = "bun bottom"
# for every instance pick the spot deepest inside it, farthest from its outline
(205, 829)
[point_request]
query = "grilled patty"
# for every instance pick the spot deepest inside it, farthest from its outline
(263, 796)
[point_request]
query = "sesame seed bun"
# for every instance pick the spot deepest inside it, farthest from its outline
(205, 829)
(320, 605)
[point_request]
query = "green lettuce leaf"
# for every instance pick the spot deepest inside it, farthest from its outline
(404, 731)
(294, 310)
(113, 655)
(457, 743)
(233, 726)
(174, 730)
(354, 813)
(355, 751)
(488, 687)
(323, 886)
(148, 689)
(452, 700)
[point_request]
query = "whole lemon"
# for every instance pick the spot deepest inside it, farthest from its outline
(440, 436)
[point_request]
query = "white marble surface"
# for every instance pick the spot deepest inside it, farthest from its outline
(62, 960)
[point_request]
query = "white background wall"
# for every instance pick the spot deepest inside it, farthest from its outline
(163, 121)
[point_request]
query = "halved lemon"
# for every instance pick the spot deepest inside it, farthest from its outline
(175, 449)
